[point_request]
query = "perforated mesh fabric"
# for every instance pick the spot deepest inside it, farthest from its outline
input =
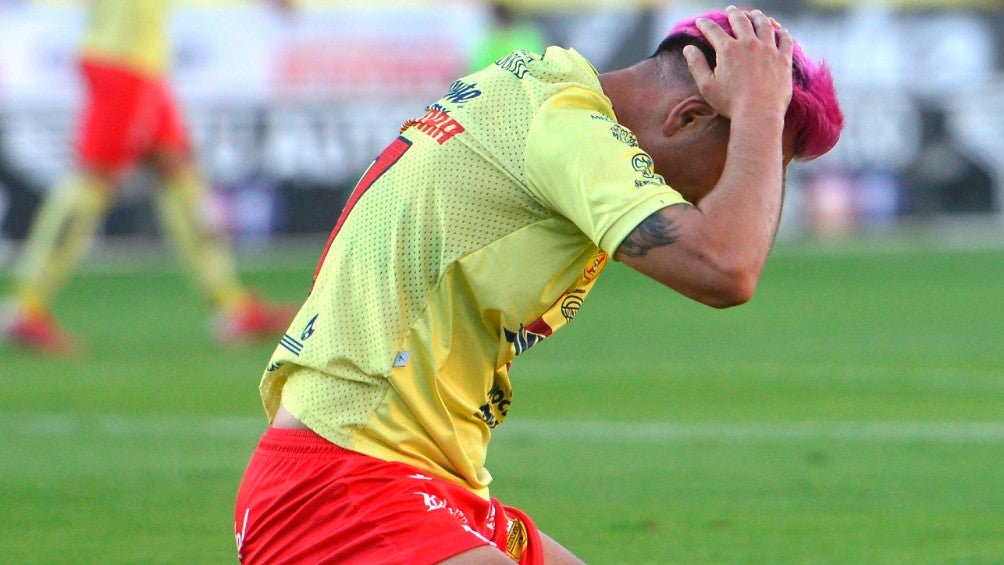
(453, 256)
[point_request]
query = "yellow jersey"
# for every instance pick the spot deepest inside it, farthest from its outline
(129, 33)
(474, 236)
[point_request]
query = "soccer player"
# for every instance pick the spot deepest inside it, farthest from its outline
(129, 116)
(475, 235)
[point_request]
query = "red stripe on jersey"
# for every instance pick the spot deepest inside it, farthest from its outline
(384, 161)
(539, 327)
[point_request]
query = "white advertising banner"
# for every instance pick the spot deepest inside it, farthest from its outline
(257, 53)
(318, 90)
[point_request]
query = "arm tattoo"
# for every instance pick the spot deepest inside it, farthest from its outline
(654, 231)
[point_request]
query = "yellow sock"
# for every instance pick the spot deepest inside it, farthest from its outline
(199, 241)
(59, 238)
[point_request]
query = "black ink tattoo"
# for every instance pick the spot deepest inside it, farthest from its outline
(654, 231)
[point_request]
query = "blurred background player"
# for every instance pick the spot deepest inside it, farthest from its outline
(506, 32)
(130, 116)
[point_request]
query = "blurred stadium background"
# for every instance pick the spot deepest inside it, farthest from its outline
(287, 112)
(852, 413)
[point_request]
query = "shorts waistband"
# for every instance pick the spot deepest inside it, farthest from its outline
(292, 442)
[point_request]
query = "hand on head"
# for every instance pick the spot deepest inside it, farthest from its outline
(753, 69)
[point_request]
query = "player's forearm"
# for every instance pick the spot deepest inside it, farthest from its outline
(741, 213)
(715, 252)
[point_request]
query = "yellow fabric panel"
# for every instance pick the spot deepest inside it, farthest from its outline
(131, 33)
(451, 262)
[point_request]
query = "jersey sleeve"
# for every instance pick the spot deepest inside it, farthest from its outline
(585, 166)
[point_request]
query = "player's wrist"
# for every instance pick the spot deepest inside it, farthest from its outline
(758, 112)
(758, 123)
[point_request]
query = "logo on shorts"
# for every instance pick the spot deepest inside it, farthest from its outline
(434, 503)
(517, 539)
(242, 534)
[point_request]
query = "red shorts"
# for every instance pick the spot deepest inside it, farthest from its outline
(125, 117)
(306, 500)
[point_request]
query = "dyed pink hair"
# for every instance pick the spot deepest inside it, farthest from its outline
(814, 114)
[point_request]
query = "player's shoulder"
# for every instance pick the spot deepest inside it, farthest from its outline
(562, 65)
(555, 65)
(557, 73)
(569, 60)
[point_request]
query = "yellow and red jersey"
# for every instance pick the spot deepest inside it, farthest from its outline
(475, 235)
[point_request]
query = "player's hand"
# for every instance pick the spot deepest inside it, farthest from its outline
(753, 69)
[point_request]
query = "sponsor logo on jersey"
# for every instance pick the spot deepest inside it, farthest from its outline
(643, 164)
(595, 266)
(498, 400)
(570, 304)
(624, 135)
(515, 63)
(461, 92)
(437, 124)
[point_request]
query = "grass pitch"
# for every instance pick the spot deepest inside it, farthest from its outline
(852, 413)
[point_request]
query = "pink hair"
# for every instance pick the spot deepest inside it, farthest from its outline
(814, 114)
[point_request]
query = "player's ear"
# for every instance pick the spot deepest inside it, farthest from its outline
(687, 113)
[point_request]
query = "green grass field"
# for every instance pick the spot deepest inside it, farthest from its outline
(852, 413)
